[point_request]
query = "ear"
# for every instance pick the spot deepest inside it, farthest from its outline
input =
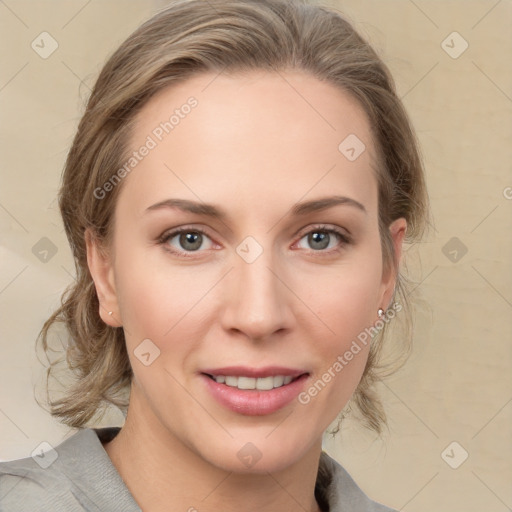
(397, 230)
(102, 272)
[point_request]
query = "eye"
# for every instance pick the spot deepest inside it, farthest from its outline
(323, 239)
(186, 240)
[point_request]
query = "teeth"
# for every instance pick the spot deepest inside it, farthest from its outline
(260, 383)
(265, 383)
(246, 383)
(231, 381)
(278, 381)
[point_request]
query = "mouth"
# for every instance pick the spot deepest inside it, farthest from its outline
(244, 382)
(254, 392)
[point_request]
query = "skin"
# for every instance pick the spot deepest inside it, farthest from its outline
(256, 144)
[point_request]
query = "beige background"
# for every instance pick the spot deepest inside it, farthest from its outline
(457, 384)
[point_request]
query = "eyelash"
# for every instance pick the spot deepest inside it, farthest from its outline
(343, 237)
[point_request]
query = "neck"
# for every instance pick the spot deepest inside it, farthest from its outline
(164, 474)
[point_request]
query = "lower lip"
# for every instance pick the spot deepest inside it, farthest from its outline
(253, 402)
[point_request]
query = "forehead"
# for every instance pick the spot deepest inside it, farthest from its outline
(228, 137)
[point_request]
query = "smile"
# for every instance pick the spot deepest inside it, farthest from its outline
(254, 391)
(247, 383)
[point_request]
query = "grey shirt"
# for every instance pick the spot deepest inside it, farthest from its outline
(83, 478)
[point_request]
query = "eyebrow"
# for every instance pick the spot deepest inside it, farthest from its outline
(325, 203)
(298, 209)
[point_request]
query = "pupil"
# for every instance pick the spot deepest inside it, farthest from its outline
(319, 240)
(191, 241)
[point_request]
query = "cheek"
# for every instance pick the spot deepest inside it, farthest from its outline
(152, 301)
(345, 301)
(341, 355)
(346, 298)
(149, 290)
(346, 309)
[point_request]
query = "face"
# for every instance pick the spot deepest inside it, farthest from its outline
(246, 253)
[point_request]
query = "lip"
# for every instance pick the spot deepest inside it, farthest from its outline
(252, 402)
(245, 371)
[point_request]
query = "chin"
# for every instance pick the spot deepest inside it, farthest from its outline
(258, 454)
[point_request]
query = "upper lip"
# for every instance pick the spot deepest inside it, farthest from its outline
(245, 371)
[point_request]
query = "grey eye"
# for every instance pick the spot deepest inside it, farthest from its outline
(189, 241)
(319, 240)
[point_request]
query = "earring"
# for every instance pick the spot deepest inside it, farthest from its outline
(380, 312)
(110, 313)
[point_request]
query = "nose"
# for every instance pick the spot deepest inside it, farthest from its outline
(257, 303)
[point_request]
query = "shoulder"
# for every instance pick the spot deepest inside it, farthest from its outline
(341, 491)
(24, 486)
(75, 476)
(37, 483)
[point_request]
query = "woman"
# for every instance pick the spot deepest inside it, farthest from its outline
(236, 198)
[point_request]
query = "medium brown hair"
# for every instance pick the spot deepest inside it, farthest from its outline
(187, 38)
